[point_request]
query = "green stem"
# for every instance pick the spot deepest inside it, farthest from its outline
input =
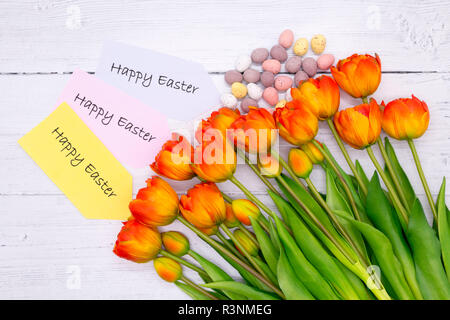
(229, 245)
(403, 214)
(364, 100)
(227, 198)
(315, 220)
(257, 172)
(183, 262)
(243, 250)
(347, 156)
(336, 222)
(230, 255)
(286, 166)
(341, 178)
(423, 179)
(397, 184)
(192, 284)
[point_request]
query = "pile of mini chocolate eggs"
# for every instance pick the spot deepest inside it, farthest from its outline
(249, 85)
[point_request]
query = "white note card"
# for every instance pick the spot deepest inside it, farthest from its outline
(179, 89)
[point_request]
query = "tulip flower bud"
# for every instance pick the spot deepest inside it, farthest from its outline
(314, 154)
(137, 242)
(249, 244)
(300, 163)
(156, 204)
(269, 166)
(168, 269)
(244, 209)
(175, 242)
(231, 221)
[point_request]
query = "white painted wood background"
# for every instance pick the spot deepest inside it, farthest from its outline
(47, 249)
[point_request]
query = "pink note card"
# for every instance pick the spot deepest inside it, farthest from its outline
(131, 130)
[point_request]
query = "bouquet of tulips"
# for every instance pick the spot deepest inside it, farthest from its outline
(366, 238)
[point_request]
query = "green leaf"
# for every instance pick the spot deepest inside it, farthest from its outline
(268, 250)
(241, 289)
(365, 180)
(247, 276)
(216, 273)
(390, 266)
(385, 219)
(308, 274)
(314, 251)
(192, 292)
(266, 269)
(274, 235)
(444, 228)
(400, 173)
(290, 284)
(426, 252)
(360, 288)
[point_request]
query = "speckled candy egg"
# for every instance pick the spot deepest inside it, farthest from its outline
(251, 75)
(309, 65)
(254, 91)
(279, 53)
(282, 83)
(318, 43)
(259, 55)
(228, 100)
(267, 79)
(246, 103)
(301, 46)
(300, 76)
(325, 61)
(293, 64)
(242, 63)
(286, 38)
(270, 95)
(239, 90)
(232, 76)
(272, 65)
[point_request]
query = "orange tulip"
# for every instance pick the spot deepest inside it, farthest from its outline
(255, 131)
(297, 124)
(300, 163)
(214, 161)
(137, 242)
(320, 96)
(220, 120)
(155, 205)
(209, 231)
(314, 154)
(406, 118)
(173, 161)
(358, 75)
(175, 242)
(359, 126)
(203, 206)
(168, 269)
(244, 209)
(269, 166)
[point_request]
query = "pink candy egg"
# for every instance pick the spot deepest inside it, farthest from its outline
(272, 65)
(282, 83)
(286, 38)
(270, 95)
(325, 61)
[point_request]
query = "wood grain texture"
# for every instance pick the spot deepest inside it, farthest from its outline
(45, 243)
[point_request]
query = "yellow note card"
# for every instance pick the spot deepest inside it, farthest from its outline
(80, 165)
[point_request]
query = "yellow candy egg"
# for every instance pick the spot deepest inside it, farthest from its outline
(318, 43)
(301, 46)
(239, 90)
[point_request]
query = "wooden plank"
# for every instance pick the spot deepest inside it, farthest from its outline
(59, 36)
